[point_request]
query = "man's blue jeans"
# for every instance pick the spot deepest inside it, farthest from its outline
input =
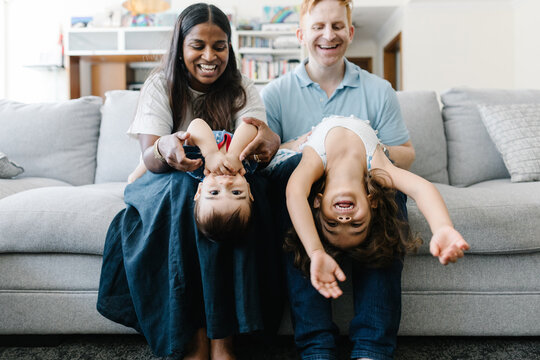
(377, 301)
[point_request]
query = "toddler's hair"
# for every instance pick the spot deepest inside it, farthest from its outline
(220, 227)
(389, 237)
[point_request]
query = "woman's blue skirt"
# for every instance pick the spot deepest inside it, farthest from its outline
(166, 280)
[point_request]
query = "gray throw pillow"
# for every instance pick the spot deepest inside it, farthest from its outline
(53, 140)
(515, 130)
(117, 154)
(8, 169)
(472, 155)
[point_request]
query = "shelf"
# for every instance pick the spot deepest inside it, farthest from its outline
(262, 33)
(151, 40)
(269, 51)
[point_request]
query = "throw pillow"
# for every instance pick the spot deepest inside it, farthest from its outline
(55, 140)
(8, 169)
(515, 130)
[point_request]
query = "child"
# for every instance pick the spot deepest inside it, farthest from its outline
(223, 200)
(351, 206)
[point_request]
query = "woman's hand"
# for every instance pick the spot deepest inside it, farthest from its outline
(171, 148)
(324, 271)
(265, 144)
(448, 245)
(294, 145)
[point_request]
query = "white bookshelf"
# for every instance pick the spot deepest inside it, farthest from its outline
(263, 55)
(151, 40)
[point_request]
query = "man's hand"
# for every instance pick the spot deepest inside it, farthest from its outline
(448, 245)
(324, 271)
(265, 144)
(171, 148)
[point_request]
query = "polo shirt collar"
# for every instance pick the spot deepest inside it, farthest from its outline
(351, 77)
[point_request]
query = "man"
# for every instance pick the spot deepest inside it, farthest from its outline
(327, 84)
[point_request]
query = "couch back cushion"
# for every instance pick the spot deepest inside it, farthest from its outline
(472, 155)
(422, 115)
(52, 140)
(117, 153)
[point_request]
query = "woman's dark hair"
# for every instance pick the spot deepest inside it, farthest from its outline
(226, 95)
(388, 238)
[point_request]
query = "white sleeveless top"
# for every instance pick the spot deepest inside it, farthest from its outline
(358, 126)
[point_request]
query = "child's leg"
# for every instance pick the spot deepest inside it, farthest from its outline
(137, 173)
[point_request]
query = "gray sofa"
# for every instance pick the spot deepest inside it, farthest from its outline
(76, 156)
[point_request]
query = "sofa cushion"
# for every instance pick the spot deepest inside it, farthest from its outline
(422, 115)
(117, 153)
(495, 217)
(52, 140)
(64, 219)
(472, 156)
(13, 186)
(515, 130)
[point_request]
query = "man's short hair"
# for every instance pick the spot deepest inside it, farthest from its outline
(307, 5)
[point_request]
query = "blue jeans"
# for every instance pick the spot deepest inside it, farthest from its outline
(377, 300)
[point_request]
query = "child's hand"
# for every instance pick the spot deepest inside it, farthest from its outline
(214, 164)
(448, 245)
(234, 165)
(324, 271)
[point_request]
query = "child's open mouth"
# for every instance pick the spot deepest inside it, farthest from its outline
(344, 206)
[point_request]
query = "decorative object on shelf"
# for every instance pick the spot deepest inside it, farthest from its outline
(281, 14)
(80, 21)
(143, 11)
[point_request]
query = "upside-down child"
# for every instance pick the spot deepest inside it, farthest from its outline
(341, 198)
(223, 200)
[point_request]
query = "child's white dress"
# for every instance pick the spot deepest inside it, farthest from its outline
(359, 127)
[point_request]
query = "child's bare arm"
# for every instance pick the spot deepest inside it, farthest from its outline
(446, 243)
(202, 136)
(244, 134)
(309, 170)
(323, 269)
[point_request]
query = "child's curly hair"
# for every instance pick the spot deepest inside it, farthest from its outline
(389, 237)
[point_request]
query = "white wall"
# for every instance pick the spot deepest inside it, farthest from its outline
(2, 50)
(33, 26)
(527, 44)
(454, 43)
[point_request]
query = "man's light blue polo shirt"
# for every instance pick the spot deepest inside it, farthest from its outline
(295, 104)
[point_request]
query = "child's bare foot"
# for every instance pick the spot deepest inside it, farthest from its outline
(199, 346)
(222, 349)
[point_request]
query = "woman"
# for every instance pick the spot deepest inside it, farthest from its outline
(160, 275)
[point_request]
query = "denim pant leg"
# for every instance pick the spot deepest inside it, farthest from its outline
(311, 313)
(377, 305)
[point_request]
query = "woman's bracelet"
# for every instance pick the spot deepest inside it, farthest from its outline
(157, 154)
